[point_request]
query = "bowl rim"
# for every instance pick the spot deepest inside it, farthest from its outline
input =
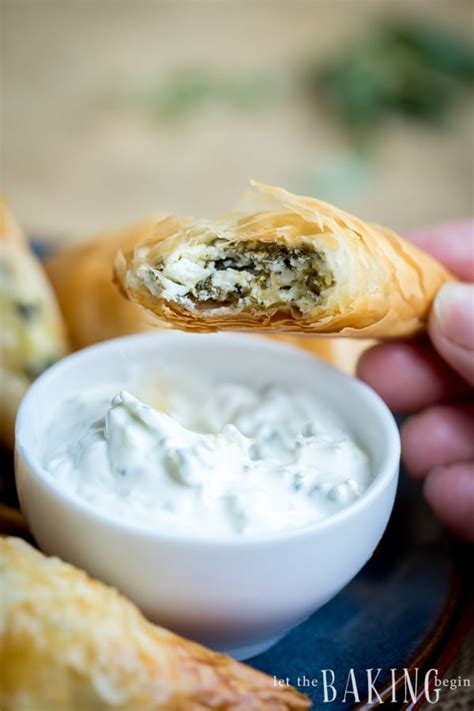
(383, 477)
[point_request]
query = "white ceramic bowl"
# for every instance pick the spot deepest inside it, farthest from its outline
(238, 595)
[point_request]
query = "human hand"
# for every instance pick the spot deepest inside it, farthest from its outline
(433, 379)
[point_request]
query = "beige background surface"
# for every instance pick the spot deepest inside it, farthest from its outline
(78, 155)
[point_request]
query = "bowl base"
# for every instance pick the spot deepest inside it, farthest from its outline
(250, 650)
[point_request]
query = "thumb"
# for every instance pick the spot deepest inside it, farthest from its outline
(451, 327)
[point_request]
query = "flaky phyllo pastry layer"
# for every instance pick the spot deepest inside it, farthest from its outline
(302, 266)
(94, 309)
(70, 643)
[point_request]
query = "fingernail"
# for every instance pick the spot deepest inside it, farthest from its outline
(454, 313)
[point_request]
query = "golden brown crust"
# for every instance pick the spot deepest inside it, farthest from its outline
(94, 309)
(68, 642)
(384, 285)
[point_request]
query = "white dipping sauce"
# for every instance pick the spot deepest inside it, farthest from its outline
(240, 461)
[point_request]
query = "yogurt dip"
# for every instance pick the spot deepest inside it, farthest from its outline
(232, 460)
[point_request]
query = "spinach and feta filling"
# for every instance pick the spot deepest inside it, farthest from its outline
(224, 274)
(30, 333)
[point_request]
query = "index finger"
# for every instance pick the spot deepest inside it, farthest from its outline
(451, 243)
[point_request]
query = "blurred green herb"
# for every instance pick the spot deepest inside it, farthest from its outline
(336, 176)
(184, 92)
(402, 69)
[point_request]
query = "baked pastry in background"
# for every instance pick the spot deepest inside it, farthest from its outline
(68, 642)
(343, 353)
(81, 277)
(32, 334)
(303, 266)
